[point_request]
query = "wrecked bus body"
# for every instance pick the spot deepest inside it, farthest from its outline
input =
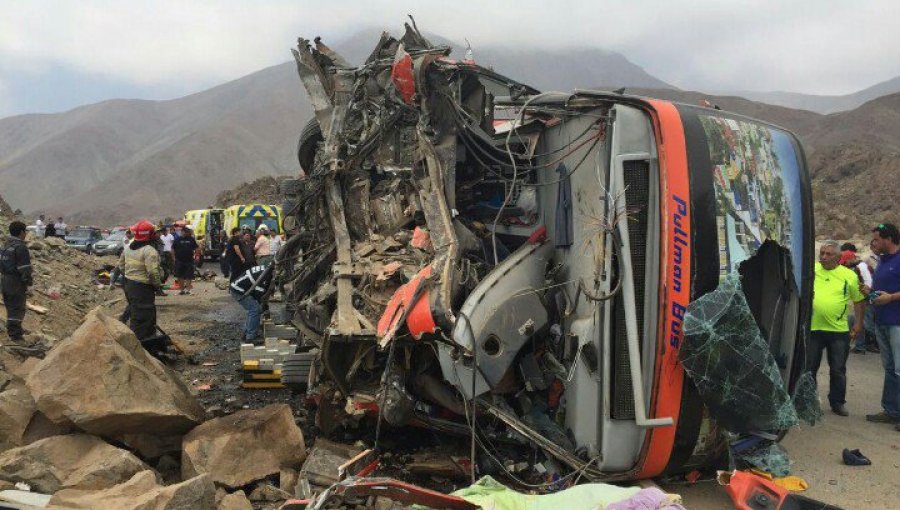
(472, 255)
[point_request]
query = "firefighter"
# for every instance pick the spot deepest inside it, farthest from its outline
(15, 278)
(140, 265)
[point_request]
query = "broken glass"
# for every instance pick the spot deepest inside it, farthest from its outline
(806, 399)
(770, 457)
(731, 363)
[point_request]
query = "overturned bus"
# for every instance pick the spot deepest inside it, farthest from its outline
(469, 254)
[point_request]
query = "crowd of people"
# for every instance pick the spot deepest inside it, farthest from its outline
(49, 228)
(856, 305)
(246, 261)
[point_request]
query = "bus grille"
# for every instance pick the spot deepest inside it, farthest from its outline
(637, 193)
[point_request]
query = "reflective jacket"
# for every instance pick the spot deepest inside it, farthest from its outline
(256, 277)
(140, 263)
(15, 260)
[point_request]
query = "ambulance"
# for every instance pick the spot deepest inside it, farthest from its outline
(207, 227)
(253, 216)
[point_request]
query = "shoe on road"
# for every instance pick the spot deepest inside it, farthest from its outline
(855, 458)
(883, 417)
(840, 410)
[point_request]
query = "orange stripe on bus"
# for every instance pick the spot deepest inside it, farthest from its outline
(675, 271)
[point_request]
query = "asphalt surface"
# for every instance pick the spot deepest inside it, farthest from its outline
(816, 451)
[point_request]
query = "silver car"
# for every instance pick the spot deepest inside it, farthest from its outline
(113, 244)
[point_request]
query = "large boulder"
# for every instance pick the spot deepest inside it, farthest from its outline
(103, 381)
(16, 409)
(77, 461)
(20, 422)
(243, 447)
(141, 492)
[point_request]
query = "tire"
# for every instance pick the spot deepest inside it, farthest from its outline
(309, 141)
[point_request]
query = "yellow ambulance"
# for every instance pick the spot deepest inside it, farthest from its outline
(207, 227)
(252, 216)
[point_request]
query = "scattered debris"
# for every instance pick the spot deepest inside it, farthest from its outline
(322, 467)
(749, 492)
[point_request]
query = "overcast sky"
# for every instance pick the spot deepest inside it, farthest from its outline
(55, 55)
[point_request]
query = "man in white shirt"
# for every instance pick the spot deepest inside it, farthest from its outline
(60, 226)
(167, 239)
(39, 226)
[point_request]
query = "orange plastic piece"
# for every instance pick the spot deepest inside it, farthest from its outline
(419, 319)
(421, 239)
(402, 76)
(749, 491)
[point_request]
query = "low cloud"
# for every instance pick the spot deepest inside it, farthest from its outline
(810, 46)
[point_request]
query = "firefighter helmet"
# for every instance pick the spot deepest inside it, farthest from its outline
(143, 230)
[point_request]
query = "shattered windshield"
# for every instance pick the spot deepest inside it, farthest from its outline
(731, 363)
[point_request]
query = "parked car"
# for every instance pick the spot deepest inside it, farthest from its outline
(113, 244)
(83, 238)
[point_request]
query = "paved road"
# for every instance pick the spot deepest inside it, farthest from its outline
(816, 451)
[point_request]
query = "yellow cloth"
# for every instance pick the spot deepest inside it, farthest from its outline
(791, 483)
(833, 290)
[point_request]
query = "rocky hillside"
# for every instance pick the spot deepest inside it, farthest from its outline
(265, 190)
(854, 188)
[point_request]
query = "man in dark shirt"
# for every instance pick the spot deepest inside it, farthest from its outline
(248, 248)
(250, 289)
(885, 297)
(185, 248)
(235, 251)
(15, 278)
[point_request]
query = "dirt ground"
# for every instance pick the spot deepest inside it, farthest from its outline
(816, 451)
(207, 324)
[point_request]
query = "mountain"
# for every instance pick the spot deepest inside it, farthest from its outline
(124, 159)
(825, 104)
(119, 160)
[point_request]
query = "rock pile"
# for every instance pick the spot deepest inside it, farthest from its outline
(99, 423)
